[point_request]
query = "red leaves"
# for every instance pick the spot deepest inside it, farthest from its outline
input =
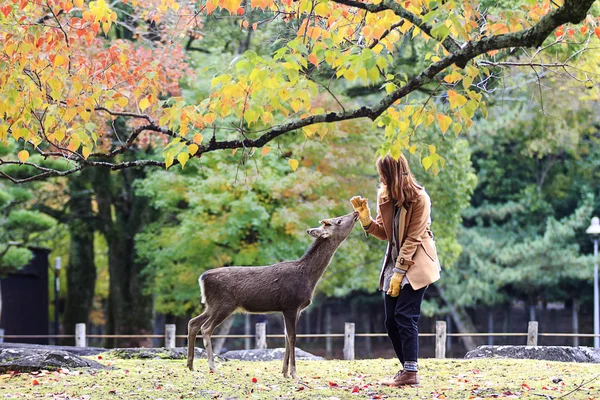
(525, 386)
(254, 380)
(99, 357)
(6, 10)
(355, 389)
(333, 384)
(597, 31)
(35, 382)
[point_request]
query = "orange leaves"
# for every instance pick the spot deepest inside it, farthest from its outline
(597, 31)
(444, 121)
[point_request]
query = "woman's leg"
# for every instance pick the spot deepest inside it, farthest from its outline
(389, 304)
(406, 316)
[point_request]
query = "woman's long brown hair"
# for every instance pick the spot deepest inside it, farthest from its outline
(397, 180)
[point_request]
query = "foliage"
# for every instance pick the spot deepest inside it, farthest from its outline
(71, 67)
(524, 237)
(479, 378)
(19, 226)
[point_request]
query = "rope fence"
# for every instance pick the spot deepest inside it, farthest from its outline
(261, 336)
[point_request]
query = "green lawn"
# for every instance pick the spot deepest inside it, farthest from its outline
(441, 379)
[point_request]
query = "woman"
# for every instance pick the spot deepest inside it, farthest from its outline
(410, 264)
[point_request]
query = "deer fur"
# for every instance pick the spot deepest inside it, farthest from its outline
(285, 287)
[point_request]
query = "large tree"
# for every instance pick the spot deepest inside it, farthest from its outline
(66, 73)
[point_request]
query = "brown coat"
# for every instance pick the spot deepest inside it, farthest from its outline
(415, 239)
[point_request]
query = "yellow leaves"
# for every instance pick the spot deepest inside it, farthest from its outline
(456, 99)
(59, 60)
(144, 103)
(444, 121)
(183, 158)
(427, 162)
(78, 3)
(85, 151)
(198, 138)
(55, 86)
(321, 9)
(23, 155)
(193, 148)
(453, 77)
(293, 164)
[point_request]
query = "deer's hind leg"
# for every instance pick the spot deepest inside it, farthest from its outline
(214, 319)
(193, 328)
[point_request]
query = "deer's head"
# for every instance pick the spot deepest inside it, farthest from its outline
(335, 228)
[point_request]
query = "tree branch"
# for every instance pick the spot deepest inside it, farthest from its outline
(449, 43)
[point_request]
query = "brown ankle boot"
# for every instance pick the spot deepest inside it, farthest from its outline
(392, 381)
(407, 378)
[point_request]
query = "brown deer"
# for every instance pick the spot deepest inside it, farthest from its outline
(285, 287)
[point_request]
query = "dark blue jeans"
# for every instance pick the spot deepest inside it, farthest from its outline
(401, 321)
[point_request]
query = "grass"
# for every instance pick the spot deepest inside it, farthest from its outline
(441, 379)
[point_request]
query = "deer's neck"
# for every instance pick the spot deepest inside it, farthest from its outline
(317, 258)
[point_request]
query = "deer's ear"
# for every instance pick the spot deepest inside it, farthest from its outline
(318, 233)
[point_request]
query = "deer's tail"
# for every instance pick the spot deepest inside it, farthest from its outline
(202, 292)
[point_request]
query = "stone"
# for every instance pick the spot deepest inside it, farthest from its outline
(78, 351)
(28, 360)
(549, 353)
(156, 353)
(267, 355)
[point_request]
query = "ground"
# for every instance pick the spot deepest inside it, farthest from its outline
(441, 379)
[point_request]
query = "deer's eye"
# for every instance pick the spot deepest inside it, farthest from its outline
(339, 222)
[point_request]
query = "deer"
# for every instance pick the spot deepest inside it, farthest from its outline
(286, 287)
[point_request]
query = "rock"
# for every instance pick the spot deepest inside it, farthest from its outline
(78, 351)
(267, 355)
(157, 353)
(550, 353)
(28, 360)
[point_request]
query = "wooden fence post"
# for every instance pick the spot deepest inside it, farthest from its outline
(349, 341)
(532, 333)
(440, 339)
(261, 335)
(80, 339)
(170, 336)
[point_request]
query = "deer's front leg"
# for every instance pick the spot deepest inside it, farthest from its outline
(290, 349)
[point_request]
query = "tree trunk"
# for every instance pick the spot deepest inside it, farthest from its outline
(490, 326)
(224, 329)
(575, 321)
(247, 331)
(328, 331)
(1, 304)
(122, 215)
(463, 322)
(81, 269)
(368, 340)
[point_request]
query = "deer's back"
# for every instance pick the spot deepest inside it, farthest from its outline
(265, 289)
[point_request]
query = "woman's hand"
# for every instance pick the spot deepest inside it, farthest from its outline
(361, 205)
(395, 284)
